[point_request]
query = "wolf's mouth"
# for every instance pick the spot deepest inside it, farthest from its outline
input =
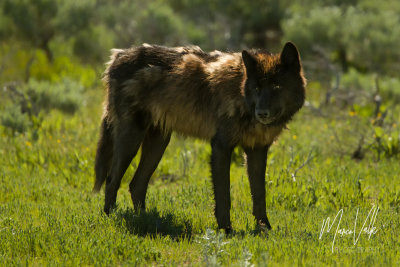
(265, 121)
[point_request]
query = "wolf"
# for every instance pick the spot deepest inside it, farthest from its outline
(230, 99)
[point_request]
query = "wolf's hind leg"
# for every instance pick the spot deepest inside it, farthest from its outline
(153, 147)
(128, 136)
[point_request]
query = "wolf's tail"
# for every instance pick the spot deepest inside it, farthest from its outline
(104, 154)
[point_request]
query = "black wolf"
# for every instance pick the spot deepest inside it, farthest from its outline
(231, 99)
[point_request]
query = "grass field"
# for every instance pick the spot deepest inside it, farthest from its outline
(48, 215)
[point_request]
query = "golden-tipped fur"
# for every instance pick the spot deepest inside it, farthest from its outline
(189, 96)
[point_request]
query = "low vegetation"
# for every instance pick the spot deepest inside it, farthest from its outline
(339, 157)
(50, 216)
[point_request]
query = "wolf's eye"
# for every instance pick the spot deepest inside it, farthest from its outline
(276, 87)
(257, 89)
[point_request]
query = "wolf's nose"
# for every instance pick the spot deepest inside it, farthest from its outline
(264, 113)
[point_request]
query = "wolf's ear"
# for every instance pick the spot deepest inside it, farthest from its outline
(290, 57)
(249, 61)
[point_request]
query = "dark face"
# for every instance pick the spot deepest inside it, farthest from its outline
(275, 86)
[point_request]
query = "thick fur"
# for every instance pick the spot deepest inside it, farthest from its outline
(230, 99)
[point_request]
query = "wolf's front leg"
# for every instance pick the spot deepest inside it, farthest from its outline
(256, 165)
(220, 169)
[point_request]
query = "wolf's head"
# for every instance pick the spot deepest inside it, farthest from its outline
(275, 85)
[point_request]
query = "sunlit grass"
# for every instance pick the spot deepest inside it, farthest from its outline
(48, 215)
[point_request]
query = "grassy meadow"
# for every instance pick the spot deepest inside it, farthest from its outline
(332, 179)
(48, 215)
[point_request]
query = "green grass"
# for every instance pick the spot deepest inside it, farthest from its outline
(48, 215)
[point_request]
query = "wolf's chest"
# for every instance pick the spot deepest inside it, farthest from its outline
(261, 135)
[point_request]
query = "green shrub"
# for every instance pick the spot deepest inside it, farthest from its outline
(65, 96)
(26, 107)
(13, 118)
(349, 35)
(389, 87)
(386, 142)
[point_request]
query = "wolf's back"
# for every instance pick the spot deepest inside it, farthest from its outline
(182, 89)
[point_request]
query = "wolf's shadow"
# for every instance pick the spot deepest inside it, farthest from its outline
(151, 223)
